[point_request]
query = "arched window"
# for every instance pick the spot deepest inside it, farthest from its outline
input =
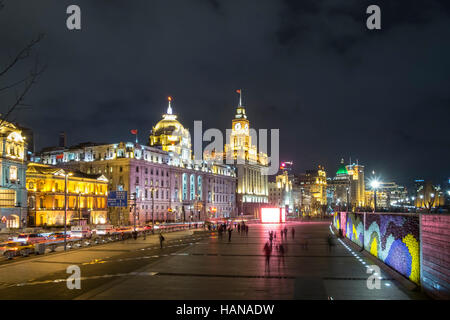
(184, 187)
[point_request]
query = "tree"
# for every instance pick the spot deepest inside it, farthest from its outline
(19, 88)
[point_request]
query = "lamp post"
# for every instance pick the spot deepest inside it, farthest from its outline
(375, 184)
(66, 176)
(135, 205)
(152, 189)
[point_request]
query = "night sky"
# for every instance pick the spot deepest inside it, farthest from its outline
(311, 68)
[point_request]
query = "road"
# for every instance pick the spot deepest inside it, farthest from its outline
(202, 265)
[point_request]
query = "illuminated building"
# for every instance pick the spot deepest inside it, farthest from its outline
(382, 199)
(357, 185)
(349, 186)
(314, 184)
(252, 185)
(86, 196)
(171, 136)
(169, 185)
(13, 194)
(280, 192)
(396, 194)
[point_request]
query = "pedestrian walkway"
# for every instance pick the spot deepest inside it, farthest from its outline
(217, 268)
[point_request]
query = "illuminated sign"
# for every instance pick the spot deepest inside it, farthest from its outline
(273, 215)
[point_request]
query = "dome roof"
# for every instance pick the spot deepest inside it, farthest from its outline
(167, 126)
(342, 169)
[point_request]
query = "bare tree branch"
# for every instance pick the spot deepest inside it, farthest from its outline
(33, 76)
(24, 53)
(12, 85)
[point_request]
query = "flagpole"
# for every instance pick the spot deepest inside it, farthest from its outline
(240, 97)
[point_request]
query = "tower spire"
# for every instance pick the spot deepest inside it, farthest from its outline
(169, 108)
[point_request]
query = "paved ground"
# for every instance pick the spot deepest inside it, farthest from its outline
(205, 266)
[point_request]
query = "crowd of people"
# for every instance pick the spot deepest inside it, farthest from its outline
(241, 228)
(280, 246)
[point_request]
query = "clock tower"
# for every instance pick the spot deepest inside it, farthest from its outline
(240, 139)
(252, 184)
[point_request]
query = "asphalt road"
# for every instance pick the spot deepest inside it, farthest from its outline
(202, 265)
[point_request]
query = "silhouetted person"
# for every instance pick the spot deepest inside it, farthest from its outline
(230, 230)
(293, 233)
(267, 252)
(161, 239)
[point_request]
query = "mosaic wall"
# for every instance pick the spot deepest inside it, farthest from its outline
(392, 238)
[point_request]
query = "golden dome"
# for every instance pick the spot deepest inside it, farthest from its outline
(169, 125)
(171, 135)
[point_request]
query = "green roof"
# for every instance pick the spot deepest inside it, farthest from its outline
(342, 170)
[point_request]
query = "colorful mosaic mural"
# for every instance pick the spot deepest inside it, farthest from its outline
(392, 238)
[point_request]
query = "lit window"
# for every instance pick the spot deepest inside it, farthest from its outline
(13, 173)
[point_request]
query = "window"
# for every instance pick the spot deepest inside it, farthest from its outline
(120, 169)
(137, 169)
(7, 198)
(13, 173)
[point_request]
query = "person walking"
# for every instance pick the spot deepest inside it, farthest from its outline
(239, 228)
(246, 230)
(293, 233)
(267, 252)
(285, 233)
(271, 237)
(230, 230)
(161, 239)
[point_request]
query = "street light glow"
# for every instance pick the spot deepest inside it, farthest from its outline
(375, 184)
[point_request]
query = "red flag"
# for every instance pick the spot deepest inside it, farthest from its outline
(238, 91)
(134, 131)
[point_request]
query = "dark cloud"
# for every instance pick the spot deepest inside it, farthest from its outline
(310, 68)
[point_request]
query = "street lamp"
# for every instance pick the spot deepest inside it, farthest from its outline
(375, 184)
(152, 190)
(66, 176)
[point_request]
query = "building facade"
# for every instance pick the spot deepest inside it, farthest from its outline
(13, 193)
(281, 192)
(86, 196)
(162, 180)
(348, 186)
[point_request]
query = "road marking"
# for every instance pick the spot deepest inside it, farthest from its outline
(86, 278)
